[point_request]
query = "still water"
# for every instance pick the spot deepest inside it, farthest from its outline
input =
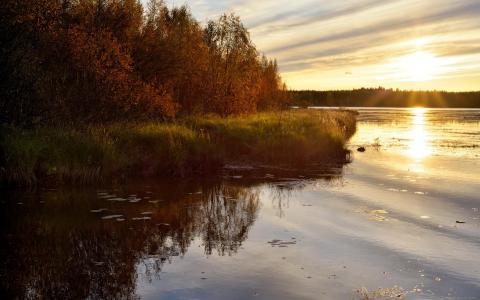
(401, 221)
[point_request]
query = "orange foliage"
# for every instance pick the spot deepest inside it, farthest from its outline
(89, 61)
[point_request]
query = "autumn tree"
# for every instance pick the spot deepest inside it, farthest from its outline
(233, 73)
(273, 92)
(25, 39)
(172, 54)
(69, 62)
(90, 61)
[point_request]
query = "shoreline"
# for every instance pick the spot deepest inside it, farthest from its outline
(187, 147)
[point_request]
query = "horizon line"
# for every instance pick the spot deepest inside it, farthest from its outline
(382, 88)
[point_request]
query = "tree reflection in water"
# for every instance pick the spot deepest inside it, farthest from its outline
(54, 247)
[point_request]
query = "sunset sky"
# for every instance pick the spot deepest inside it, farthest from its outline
(407, 44)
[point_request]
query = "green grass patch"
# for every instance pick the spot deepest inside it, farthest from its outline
(193, 145)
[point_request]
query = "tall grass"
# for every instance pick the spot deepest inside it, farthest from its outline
(290, 137)
(194, 145)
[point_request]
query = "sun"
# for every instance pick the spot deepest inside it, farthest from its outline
(418, 66)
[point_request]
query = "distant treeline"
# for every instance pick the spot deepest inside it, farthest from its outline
(87, 61)
(385, 98)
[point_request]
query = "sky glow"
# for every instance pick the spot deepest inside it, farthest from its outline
(347, 44)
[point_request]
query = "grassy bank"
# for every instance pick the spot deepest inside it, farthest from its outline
(194, 145)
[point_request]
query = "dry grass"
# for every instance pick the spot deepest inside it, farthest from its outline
(194, 145)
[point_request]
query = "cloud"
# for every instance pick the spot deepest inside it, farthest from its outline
(376, 48)
(330, 38)
(311, 15)
(469, 10)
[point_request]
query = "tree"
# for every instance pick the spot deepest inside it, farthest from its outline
(233, 66)
(172, 53)
(89, 61)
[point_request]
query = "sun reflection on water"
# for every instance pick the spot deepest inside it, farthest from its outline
(418, 147)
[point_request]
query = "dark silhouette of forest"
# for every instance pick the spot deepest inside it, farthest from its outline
(385, 98)
(90, 61)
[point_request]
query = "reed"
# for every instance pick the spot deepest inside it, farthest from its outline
(186, 147)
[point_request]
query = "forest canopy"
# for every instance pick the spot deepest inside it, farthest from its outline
(95, 61)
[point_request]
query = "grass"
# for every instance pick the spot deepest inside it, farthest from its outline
(193, 145)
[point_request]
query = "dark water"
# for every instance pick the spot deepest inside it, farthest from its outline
(402, 220)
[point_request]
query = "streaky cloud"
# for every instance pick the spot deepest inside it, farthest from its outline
(313, 15)
(470, 10)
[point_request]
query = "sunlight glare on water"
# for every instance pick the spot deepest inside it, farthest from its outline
(418, 147)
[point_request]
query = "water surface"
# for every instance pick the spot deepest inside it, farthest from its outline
(403, 220)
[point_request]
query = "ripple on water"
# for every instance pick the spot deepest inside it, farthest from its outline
(282, 243)
(98, 210)
(109, 217)
(117, 199)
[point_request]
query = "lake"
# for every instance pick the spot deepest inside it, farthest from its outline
(402, 220)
